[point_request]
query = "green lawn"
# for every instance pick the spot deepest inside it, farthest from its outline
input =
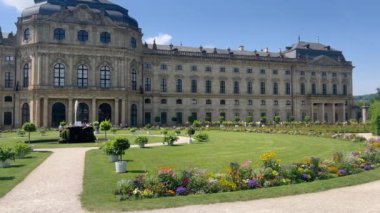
(223, 148)
(10, 177)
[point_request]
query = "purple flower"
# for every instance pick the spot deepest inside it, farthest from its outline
(305, 177)
(367, 167)
(136, 183)
(181, 190)
(343, 172)
(252, 184)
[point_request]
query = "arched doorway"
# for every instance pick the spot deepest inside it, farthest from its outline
(105, 112)
(83, 113)
(58, 114)
(25, 113)
(133, 115)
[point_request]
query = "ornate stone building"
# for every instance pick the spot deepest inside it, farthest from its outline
(92, 51)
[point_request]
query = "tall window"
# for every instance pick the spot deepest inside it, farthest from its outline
(250, 87)
(313, 89)
(148, 84)
(344, 89)
(275, 88)
(236, 87)
(25, 80)
(82, 35)
(8, 80)
(164, 118)
(27, 34)
(287, 88)
(164, 86)
(194, 86)
(262, 88)
(222, 87)
(208, 86)
(59, 34)
(59, 75)
(25, 114)
(82, 76)
(179, 85)
(8, 118)
(302, 89)
(335, 89)
(105, 77)
(105, 37)
(134, 80)
(324, 89)
(133, 43)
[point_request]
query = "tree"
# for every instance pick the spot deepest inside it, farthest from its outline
(276, 119)
(249, 119)
(375, 117)
(120, 145)
(105, 126)
(190, 132)
(157, 119)
(191, 119)
(29, 127)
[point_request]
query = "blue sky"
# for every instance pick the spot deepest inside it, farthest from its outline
(351, 26)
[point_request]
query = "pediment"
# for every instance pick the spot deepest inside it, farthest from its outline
(324, 60)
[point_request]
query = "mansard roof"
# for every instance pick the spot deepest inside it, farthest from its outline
(49, 7)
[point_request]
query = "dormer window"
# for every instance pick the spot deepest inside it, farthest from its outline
(82, 36)
(105, 37)
(27, 34)
(59, 34)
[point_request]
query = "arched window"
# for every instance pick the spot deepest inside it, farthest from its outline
(25, 113)
(133, 115)
(105, 77)
(83, 113)
(59, 75)
(59, 34)
(179, 85)
(82, 35)
(105, 37)
(25, 82)
(27, 34)
(104, 112)
(58, 114)
(134, 80)
(82, 76)
(133, 43)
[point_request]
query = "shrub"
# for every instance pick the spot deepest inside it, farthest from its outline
(133, 130)
(63, 123)
(170, 139)
(108, 148)
(141, 141)
(21, 150)
(120, 145)
(178, 131)
(6, 153)
(190, 132)
(164, 131)
(29, 127)
(105, 126)
(202, 137)
(20, 133)
(197, 124)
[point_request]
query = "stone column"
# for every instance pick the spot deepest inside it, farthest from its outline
(344, 112)
(36, 112)
(333, 112)
(323, 112)
(117, 117)
(312, 112)
(364, 114)
(46, 113)
(17, 120)
(93, 111)
(70, 112)
(1, 110)
(123, 118)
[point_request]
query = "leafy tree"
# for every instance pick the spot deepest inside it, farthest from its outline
(105, 126)
(191, 119)
(375, 117)
(29, 127)
(276, 119)
(249, 119)
(120, 145)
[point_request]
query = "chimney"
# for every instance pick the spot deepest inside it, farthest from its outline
(241, 48)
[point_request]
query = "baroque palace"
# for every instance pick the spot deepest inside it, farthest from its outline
(92, 51)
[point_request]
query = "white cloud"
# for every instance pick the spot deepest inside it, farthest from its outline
(161, 38)
(19, 4)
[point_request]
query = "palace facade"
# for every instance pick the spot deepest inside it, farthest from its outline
(92, 51)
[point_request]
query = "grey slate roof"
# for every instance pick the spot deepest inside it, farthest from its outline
(311, 45)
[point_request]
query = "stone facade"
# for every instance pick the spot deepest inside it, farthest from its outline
(80, 52)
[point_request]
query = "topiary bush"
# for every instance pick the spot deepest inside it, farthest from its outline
(29, 127)
(141, 141)
(105, 126)
(121, 145)
(21, 150)
(170, 139)
(202, 137)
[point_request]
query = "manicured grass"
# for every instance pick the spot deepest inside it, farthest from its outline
(10, 177)
(224, 147)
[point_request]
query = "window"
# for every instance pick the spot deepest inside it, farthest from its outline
(263, 102)
(288, 103)
(249, 70)
(237, 102)
(335, 89)
(302, 73)
(262, 71)
(59, 34)
(59, 75)
(236, 87)
(164, 118)
(163, 67)
(287, 88)
(249, 87)
(179, 68)
(25, 81)
(179, 117)
(222, 102)
(8, 80)
(134, 79)
(27, 34)
(105, 37)
(194, 68)
(222, 116)
(9, 58)
(208, 102)
(25, 113)
(236, 70)
(82, 36)
(82, 76)
(275, 72)
(7, 118)
(194, 86)
(344, 75)
(133, 43)
(8, 99)
(222, 87)
(262, 88)
(164, 101)
(312, 73)
(324, 89)
(250, 102)
(222, 69)
(194, 115)
(179, 85)
(287, 72)
(302, 88)
(275, 88)
(208, 116)
(344, 89)
(194, 101)
(324, 74)
(105, 77)
(148, 101)
(208, 69)
(313, 89)
(208, 86)
(275, 102)
(179, 101)
(147, 66)
(164, 87)
(334, 74)
(148, 84)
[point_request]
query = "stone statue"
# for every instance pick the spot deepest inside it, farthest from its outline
(76, 106)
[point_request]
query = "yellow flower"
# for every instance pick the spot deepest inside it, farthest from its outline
(268, 156)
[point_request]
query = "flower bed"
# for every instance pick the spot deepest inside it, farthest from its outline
(243, 177)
